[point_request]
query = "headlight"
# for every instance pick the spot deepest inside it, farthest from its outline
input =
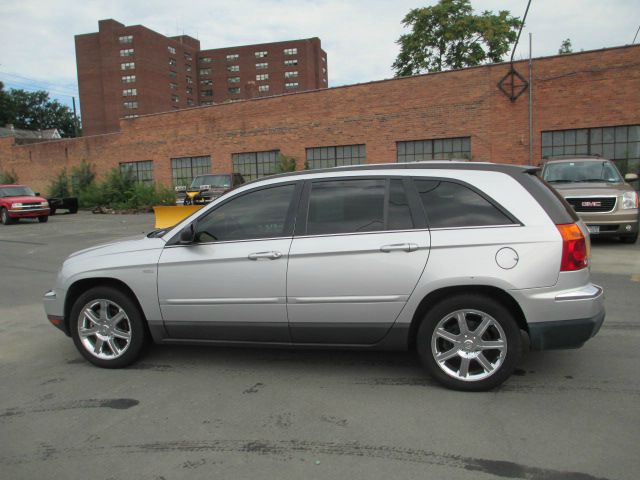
(16, 205)
(44, 204)
(630, 200)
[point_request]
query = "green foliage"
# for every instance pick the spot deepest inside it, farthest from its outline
(82, 176)
(565, 47)
(35, 111)
(449, 35)
(8, 177)
(59, 186)
(286, 164)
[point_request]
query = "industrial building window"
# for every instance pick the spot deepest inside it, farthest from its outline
(127, 66)
(620, 144)
(127, 52)
(129, 92)
(206, 82)
(206, 93)
(205, 59)
(291, 74)
(255, 164)
(291, 62)
(261, 54)
(326, 157)
(263, 88)
(142, 172)
(185, 169)
(290, 51)
(262, 66)
(130, 104)
(205, 71)
(291, 85)
(233, 68)
(171, 50)
(231, 58)
(125, 39)
(262, 76)
(234, 90)
(128, 79)
(438, 149)
(234, 79)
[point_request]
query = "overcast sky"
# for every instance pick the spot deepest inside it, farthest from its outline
(359, 36)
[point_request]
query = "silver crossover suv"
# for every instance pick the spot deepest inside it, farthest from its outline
(455, 260)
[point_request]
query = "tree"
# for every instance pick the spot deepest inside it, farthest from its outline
(565, 47)
(449, 35)
(35, 111)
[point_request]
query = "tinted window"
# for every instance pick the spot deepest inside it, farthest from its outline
(399, 211)
(346, 206)
(259, 214)
(451, 205)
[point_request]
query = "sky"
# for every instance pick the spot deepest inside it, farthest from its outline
(359, 36)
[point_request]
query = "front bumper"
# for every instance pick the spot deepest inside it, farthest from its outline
(53, 302)
(35, 212)
(621, 222)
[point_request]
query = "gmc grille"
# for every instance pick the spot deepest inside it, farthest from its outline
(592, 204)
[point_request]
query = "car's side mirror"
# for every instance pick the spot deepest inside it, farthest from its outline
(37, 194)
(631, 177)
(187, 235)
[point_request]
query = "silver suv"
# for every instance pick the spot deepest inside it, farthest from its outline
(455, 260)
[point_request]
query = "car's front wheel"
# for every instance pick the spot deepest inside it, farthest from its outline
(469, 342)
(4, 217)
(633, 238)
(107, 327)
(43, 219)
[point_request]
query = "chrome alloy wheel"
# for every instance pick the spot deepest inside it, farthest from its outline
(469, 345)
(104, 329)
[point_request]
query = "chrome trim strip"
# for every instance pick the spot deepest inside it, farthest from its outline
(351, 299)
(586, 293)
(222, 301)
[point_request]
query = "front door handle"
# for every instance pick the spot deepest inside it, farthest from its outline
(395, 247)
(267, 255)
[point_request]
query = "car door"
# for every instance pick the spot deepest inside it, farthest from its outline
(359, 250)
(230, 283)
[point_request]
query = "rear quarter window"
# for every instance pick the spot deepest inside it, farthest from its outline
(453, 205)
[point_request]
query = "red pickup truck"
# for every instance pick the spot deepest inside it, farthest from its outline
(19, 201)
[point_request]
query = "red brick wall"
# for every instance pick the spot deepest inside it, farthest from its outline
(588, 89)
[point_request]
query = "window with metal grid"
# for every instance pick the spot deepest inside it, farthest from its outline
(142, 172)
(185, 169)
(434, 149)
(252, 165)
(336, 156)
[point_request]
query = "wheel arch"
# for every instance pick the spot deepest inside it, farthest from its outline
(432, 298)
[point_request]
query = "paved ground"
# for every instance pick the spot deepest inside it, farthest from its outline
(234, 413)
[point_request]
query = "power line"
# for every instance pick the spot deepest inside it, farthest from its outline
(11, 84)
(636, 35)
(524, 19)
(27, 82)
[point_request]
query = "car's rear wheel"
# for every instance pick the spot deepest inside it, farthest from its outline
(4, 217)
(107, 327)
(633, 238)
(43, 219)
(469, 342)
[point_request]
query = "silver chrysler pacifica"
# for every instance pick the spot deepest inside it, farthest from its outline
(464, 262)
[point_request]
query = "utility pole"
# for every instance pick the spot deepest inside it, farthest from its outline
(75, 118)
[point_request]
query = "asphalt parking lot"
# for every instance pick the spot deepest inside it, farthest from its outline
(196, 412)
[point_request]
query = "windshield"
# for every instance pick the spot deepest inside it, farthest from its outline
(16, 192)
(582, 171)
(216, 181)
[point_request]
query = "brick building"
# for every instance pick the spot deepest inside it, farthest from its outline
(128, 71)
(585, 102)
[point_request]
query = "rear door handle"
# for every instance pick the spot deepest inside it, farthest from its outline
(267, 255)
(395, 247)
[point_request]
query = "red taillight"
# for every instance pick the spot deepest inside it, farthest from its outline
(574, 247)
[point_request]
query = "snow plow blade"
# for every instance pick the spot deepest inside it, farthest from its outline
(169, 216)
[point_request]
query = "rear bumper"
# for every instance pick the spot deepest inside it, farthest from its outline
(564, 334)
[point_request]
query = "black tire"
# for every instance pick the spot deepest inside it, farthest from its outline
(494, 311)
(43, 219)
(4, 217)
(52, 211)
(136, 327)
(633, 238)
(73, 209)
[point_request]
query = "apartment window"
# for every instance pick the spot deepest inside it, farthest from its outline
(261, 54)
(127, 52)
(189, 80)
(620, 144)
(187, 68)
(173, 75)
(130, 104)
(142, 172)
(262, 76)
(187, 57)
(234, 79)
(233, 68)
(234, 90)
(208, 102)
(263, 88)
(326, 157)
(171, 50)
(185, 169)
(205, 71)
(231, 58)
(175, 98)
(254, 165)
(189, 90)
(205, 59)
(291, 62)
(291, 85)
(173, 86)
(324, 70)
(189, 101)
(172, 62)
(262, 66)
(290, 51)
(438, 149)
(206, 82)
(129, 92)
(293, 74)
(324, 59)
(128, 79)
(125, 39)
(127, 66)
(206, 93)
(131, 115)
